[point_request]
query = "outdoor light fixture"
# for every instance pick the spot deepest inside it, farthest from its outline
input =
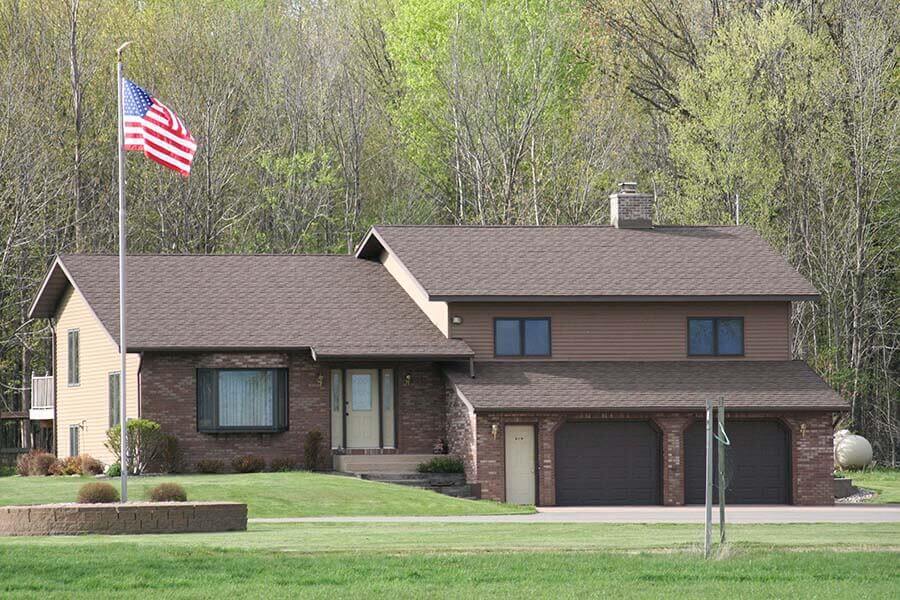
(495, 430)
(802, 429)
(457, 320)
(321, 380)
(407, 379)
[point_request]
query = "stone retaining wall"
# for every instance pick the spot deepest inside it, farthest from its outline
(131, 518)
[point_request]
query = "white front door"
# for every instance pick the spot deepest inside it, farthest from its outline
(520, 464)
(362, 408)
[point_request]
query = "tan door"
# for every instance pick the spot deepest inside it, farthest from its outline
(520, 464)
(362, 408)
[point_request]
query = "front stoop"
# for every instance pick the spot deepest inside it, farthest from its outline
(400, 469)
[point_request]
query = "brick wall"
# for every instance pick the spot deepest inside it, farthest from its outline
(811, 455)
(169, 396)
(420, 406)
(461, 433)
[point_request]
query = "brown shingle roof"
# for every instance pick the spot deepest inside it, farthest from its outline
(336, 305)
(676, 385)
(590, 261)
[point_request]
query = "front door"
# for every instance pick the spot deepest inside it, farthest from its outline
(362, 410)
(520, 464)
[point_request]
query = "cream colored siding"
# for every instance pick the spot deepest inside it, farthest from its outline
(87, 404)
(436, 311)
(627, 330)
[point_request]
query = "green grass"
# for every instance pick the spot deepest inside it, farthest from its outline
(295, 494)
(460, 560)
(884, 481)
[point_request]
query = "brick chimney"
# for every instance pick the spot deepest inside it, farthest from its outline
(630, 209)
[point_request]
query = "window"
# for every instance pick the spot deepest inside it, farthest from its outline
(74, 375)
(114, 396)
(74, 441)
(522, 337)
(716, 336)
(242, 400)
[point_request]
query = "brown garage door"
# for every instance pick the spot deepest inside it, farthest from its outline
(757, 463)
(610, 462)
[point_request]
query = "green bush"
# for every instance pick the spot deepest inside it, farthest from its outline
(97, 493)
(145, 441)
(35, 463)
(248, 464)
(283, 463)
(314, 451)
(114, 470)
(6, 471)
(168, 492)
(210, 466)
(442, 464)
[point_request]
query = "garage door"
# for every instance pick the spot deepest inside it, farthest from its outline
(757, 463)
(614, 462)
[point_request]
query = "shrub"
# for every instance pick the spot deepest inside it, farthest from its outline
(248, 464)
(145, 441)
(442, 464)
(284, 463)
(71, 465)
(90, 465)
(313, 450)
(98, 492)
(6, 470)
(35, 463)
(168, 492)
(170, 454)
(114, 470)
(210, 466)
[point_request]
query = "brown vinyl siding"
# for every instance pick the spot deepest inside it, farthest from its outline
(626, 330)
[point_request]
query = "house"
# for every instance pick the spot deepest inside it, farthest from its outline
(564, 365)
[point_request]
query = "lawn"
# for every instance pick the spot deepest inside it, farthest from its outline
(884, 481)
(460, 560)
(294, 494)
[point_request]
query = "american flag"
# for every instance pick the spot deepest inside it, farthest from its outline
(150, 126)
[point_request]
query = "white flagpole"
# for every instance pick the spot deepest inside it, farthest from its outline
(123, 386)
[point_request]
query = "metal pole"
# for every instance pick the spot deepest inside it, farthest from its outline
(707, 540)
(721, 445)
(123, 440)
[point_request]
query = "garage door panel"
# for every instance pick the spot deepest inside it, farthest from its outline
(757, 463)
(607, 462)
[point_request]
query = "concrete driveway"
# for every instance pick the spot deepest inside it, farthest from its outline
(854, 513)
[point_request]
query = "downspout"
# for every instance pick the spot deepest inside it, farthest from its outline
(53, 358)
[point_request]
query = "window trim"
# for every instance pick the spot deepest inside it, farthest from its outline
(715, 353)
(77, 381)
(243, 428)
(522, 321)
(109, 377)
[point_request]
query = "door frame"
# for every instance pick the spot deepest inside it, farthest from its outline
(380, 384)
(537, 463)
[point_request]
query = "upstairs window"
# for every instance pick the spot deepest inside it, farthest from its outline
(242, 400)
(73, 351)
(522, 337)
(716, 336)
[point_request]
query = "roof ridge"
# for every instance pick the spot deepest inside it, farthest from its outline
(528, 226)
(198, 255)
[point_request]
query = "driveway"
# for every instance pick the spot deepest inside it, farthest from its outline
(856, 513)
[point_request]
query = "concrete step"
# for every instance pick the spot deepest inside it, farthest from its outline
(380, 463)
(392, 476)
